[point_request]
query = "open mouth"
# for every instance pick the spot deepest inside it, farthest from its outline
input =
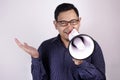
(68, 32)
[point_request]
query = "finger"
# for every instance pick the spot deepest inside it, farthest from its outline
(18, 42)
(26, 44)
(26, 47)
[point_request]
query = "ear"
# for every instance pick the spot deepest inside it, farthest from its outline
(55, 24)
(80, 19)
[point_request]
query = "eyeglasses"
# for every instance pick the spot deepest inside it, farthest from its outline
(65, 23)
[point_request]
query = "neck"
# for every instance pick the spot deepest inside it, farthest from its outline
(65, 42)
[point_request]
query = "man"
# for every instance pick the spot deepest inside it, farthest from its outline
(52, 60)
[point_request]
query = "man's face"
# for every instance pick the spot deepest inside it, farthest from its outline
(66, 22)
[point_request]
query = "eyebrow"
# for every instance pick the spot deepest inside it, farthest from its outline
(69, 20)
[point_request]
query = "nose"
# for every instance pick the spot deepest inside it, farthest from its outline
(69, 26)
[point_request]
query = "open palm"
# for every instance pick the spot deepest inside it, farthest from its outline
(29, 49)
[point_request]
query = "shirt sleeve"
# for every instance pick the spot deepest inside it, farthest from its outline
(37, 70)
(94, 70)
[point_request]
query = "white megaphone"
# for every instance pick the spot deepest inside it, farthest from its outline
(81, 46)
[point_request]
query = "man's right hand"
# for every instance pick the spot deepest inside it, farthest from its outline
(29, 49)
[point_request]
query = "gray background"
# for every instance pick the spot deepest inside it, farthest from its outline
(32, 21)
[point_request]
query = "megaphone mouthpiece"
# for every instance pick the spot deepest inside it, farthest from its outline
(73, 33)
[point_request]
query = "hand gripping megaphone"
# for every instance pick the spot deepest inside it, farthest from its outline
(81, 46)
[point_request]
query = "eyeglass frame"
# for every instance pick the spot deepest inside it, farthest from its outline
(66, 22)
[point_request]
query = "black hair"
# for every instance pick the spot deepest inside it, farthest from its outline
(64, 7)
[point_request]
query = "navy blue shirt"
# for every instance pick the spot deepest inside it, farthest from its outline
(55, 63)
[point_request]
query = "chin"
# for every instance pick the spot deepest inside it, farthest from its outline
(67, 39)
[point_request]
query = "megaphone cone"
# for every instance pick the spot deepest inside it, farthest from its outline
(81, 46)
